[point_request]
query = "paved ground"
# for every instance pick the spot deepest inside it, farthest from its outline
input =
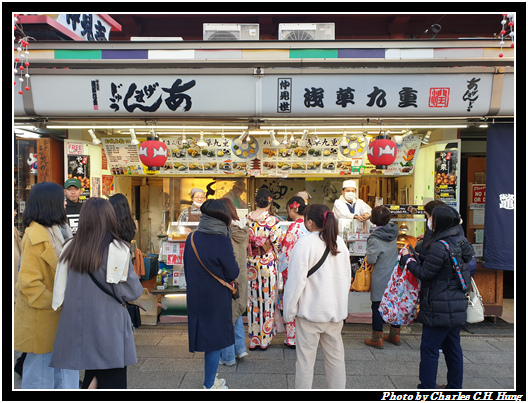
(164, 361)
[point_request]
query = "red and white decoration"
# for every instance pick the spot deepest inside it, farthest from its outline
(382, 152)
(22, 59)
(153, 154)
(507, 23)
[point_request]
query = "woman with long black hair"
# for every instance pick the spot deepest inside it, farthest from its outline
(443, 303)
(319, 303)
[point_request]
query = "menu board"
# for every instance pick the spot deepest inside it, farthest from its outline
(256, 157)
(446, 176)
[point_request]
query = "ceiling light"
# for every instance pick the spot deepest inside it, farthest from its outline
(316, 141)
(344, 142)
(274, 142)
(292, 139)
(95, 140)
(285, 141)
(425, 140)
(201, 142)
(184, 139)
(134, 141)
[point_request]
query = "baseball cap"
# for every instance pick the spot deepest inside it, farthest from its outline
(72, 182)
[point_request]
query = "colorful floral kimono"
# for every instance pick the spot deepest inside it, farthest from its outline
(265, 239)
(295, 231)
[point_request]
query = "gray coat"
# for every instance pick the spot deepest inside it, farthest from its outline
(95, 331)
(240, 239)
(382, 252)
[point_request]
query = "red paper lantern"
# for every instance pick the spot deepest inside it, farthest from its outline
(382, 152)
(153, 154)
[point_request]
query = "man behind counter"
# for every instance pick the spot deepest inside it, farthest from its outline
(350, 206)
(72, 191)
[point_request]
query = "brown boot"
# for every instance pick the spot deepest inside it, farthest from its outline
(376, 340)
(393, 336)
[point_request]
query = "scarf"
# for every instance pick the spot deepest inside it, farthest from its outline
(56, 238)
(211, 225)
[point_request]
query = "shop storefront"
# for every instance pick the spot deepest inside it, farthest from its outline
(289, 124)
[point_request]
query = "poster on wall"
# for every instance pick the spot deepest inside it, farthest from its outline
(108, 185)
(79, 168)
(257, 157)
(445, 179)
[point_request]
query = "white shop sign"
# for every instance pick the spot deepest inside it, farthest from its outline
(246, 95)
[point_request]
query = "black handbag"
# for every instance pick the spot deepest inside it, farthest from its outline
(133, 309)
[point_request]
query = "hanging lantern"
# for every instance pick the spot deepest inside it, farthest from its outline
(382, 152)
(153, 154)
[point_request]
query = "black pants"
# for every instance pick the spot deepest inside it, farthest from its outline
(114, 378)
(377, 320)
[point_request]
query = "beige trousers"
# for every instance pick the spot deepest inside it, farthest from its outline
(309, 336)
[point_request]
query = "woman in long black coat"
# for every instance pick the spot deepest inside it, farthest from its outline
(208, 301)
(443, 302)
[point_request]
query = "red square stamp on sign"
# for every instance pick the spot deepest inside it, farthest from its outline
(439, 97)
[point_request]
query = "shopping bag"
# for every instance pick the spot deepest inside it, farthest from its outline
(400, 299)
(362, 277)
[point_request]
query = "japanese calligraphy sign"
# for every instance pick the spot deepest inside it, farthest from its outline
(90, 27)
(445, 180)
(375, 95)
(341, 95)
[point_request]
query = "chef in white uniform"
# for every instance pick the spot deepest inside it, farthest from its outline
(350, 206)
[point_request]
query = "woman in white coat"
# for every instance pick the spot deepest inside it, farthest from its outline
(319, 303)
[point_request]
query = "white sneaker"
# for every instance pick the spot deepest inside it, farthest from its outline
(219, 383)
(242, 355)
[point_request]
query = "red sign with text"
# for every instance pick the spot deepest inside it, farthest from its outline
(478, 194)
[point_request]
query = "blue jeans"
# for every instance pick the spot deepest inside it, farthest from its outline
(211, 360)
(447, 339)
(228, 354)
(37, 374)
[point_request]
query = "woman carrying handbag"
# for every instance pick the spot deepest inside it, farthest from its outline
(443, 302)
(382, 252)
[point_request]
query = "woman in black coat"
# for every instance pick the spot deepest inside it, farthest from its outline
(443, 303)
(210, 322)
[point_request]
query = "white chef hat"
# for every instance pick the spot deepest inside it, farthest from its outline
(349, 184)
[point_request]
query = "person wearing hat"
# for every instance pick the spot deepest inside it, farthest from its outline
(304, 195)
(350, 206)
(239, 187)
(72, 191)
(193, 213)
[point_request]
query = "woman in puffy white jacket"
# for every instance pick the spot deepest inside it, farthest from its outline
(319, 303)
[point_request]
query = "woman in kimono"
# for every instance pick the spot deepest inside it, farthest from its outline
(265, 239)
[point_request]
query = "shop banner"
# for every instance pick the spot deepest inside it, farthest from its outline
(256, 157)
(499, 224)
(290, 96)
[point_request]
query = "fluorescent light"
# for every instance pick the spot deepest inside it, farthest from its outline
(343, 127)
(127, 127)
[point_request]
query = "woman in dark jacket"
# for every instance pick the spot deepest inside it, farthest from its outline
(443, 303)
(382, 252)
(210, 322)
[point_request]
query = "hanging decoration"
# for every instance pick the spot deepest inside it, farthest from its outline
(382, 152)
(153, 153)
(21, 68)
(507, 23)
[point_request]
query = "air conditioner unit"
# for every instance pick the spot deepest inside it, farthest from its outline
(307, 32)
(231, 32)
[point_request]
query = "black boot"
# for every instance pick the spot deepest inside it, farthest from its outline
(19, 364)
